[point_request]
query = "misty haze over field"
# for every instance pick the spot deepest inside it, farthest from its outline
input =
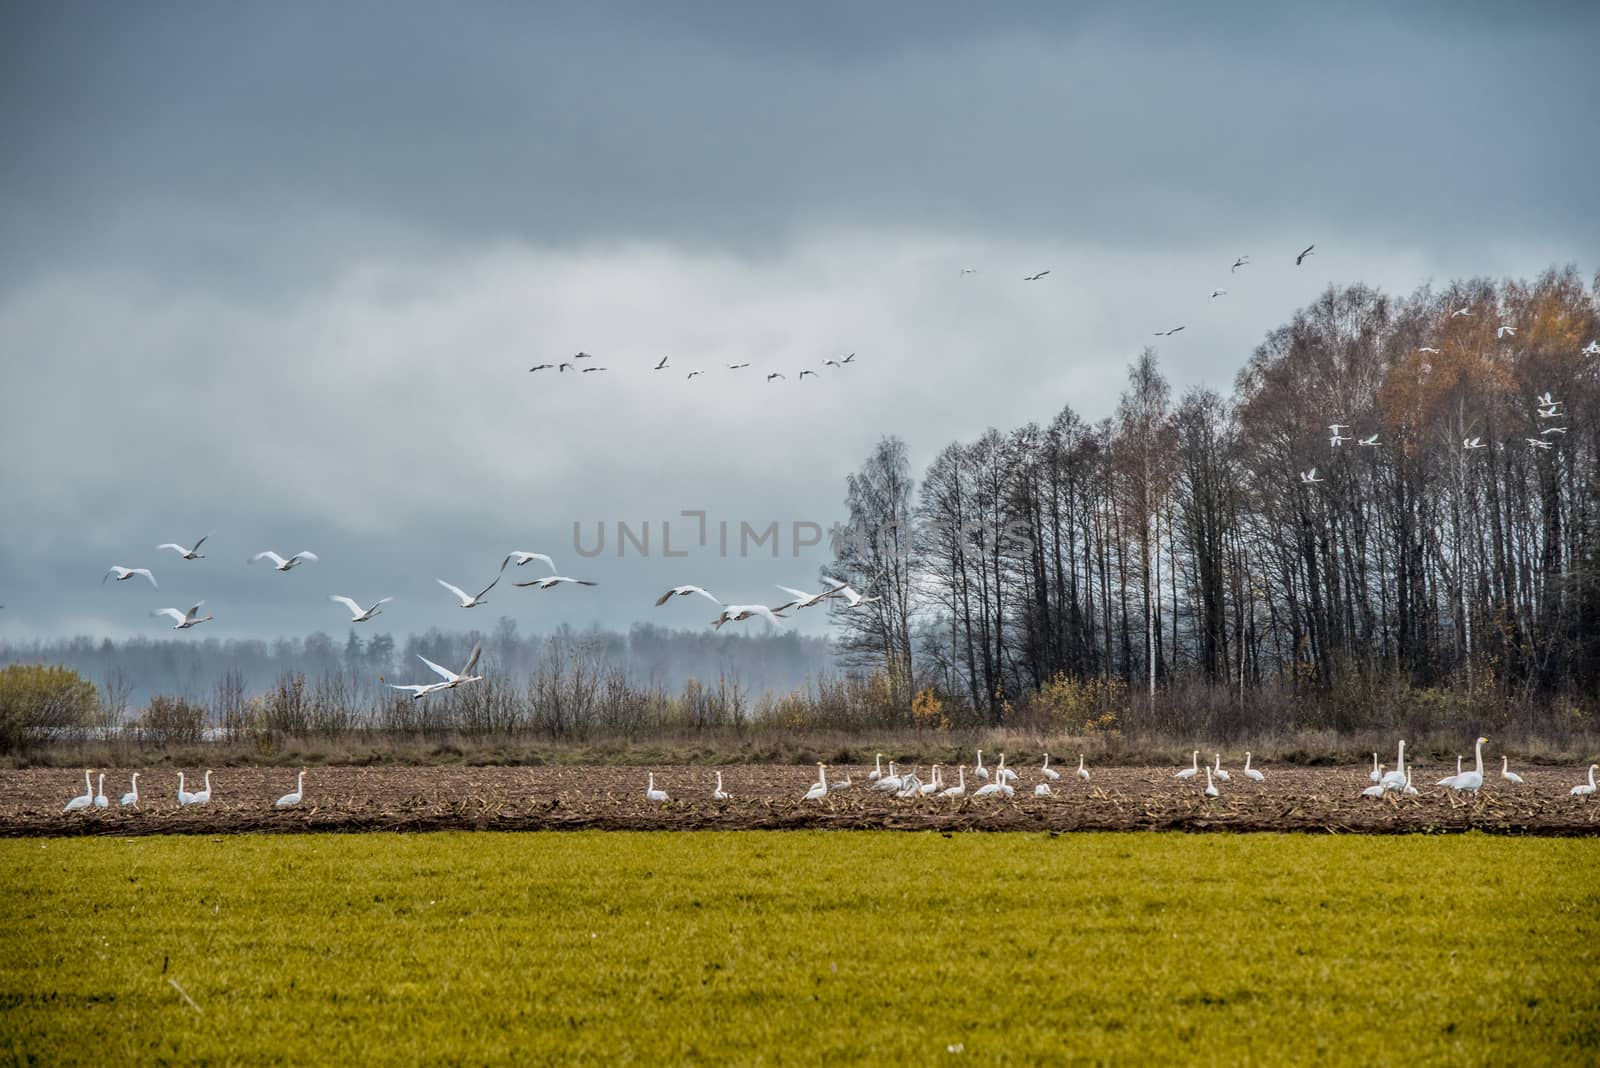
(278, 272)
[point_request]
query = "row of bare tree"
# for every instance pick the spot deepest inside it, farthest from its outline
(1180, 541)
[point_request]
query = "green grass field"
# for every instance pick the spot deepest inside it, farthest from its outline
(792, 948)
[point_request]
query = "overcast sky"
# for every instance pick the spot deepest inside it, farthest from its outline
(278, 271)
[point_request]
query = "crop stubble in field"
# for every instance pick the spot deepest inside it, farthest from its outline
(767, 796)
(800, 948)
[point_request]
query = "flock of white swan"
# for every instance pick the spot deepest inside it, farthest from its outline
(890, 779)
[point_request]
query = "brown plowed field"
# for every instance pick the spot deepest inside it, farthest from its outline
(350, 799)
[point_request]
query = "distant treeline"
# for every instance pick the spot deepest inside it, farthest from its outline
(1188, 543)
(137, 669)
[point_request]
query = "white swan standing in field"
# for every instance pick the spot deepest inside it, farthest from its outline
(125, 573)
(1211, 787)
(1249, 772)
(1042, 790)
(132, 796)
(83, 800)
(1412, 790)
(280, 564)
(1003, 773)
(1047, 771)
(889, 783)
(960, 788)
(1377, 789)
(1377, 769)
(185, 620)
(1581, 790)
(910, 784)
(819, 789)
(100, 799)
(651, 793)
(1222, 776)
(841, 784)
(1471, 781)
(877, 769)
(1450, 780)
(184, 796)
(719, 794)
(1193, 769)
(1396, 779)
(1083, 772)
(202, 797)
(291, 800)
(1505, 770)
(990, 789)
(980, 772)
(357, 613)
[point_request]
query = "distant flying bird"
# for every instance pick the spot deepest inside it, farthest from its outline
(125, 573)
(686, 591)
(1467, 310)
(1425, 348)
(592, 370)
(280, 564)
(969, 270)
(1334, 428)
(191, 618)
(584, 356)
(1168, 333)
(737, 613)
(1539, 443)
(187, 554)
(474, 600)
(1298, 260)
(849, 359)
(775, 374)
(1337, 439)
(852, 599)
(519, 557)
(1549, 413)
(1473, 443)
(1592, 349)
(813, 374)
(357, 613)
(1373, 440)
(1310, 477)
(564, 368)
(662, 364)
(1505, 331)
(802, 599)
(736, 366)
(1546, 398)
(693, 373)
(540, 367)
(1035, 277)
(1242, 261)
(553, 580)
(1547, 431)
(451, 679)
(1215, 293)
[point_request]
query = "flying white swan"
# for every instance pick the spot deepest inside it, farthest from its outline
(1211, 787)
(852, 599)
(1538, 443)
(1591, 349)
(802, 599)
(85, 799)
(467, 601)
(1471, 781)
(1083, 772)
(1193, 769)
(1505, 770)
(291, 800)
(1466, 310)
(1047, 771)
(202, 797)
(1473, 443)
(191, 618)
(1249, 772)
(980, 772)
(100, 799)
(1584, 789)
(188, 554)
(1222, 776)
(960, 788)
(737, 613)
(131, 798)
(125, 573)
(1369, 442)
(553, 580)
(819, 789)
(1310, 477)
(1505, 331)
(1298, 260)
(451, 678)
(686, 591)
(651, 793)
(519, 557)
(280, 564)
(719, 794)
(357, 613)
